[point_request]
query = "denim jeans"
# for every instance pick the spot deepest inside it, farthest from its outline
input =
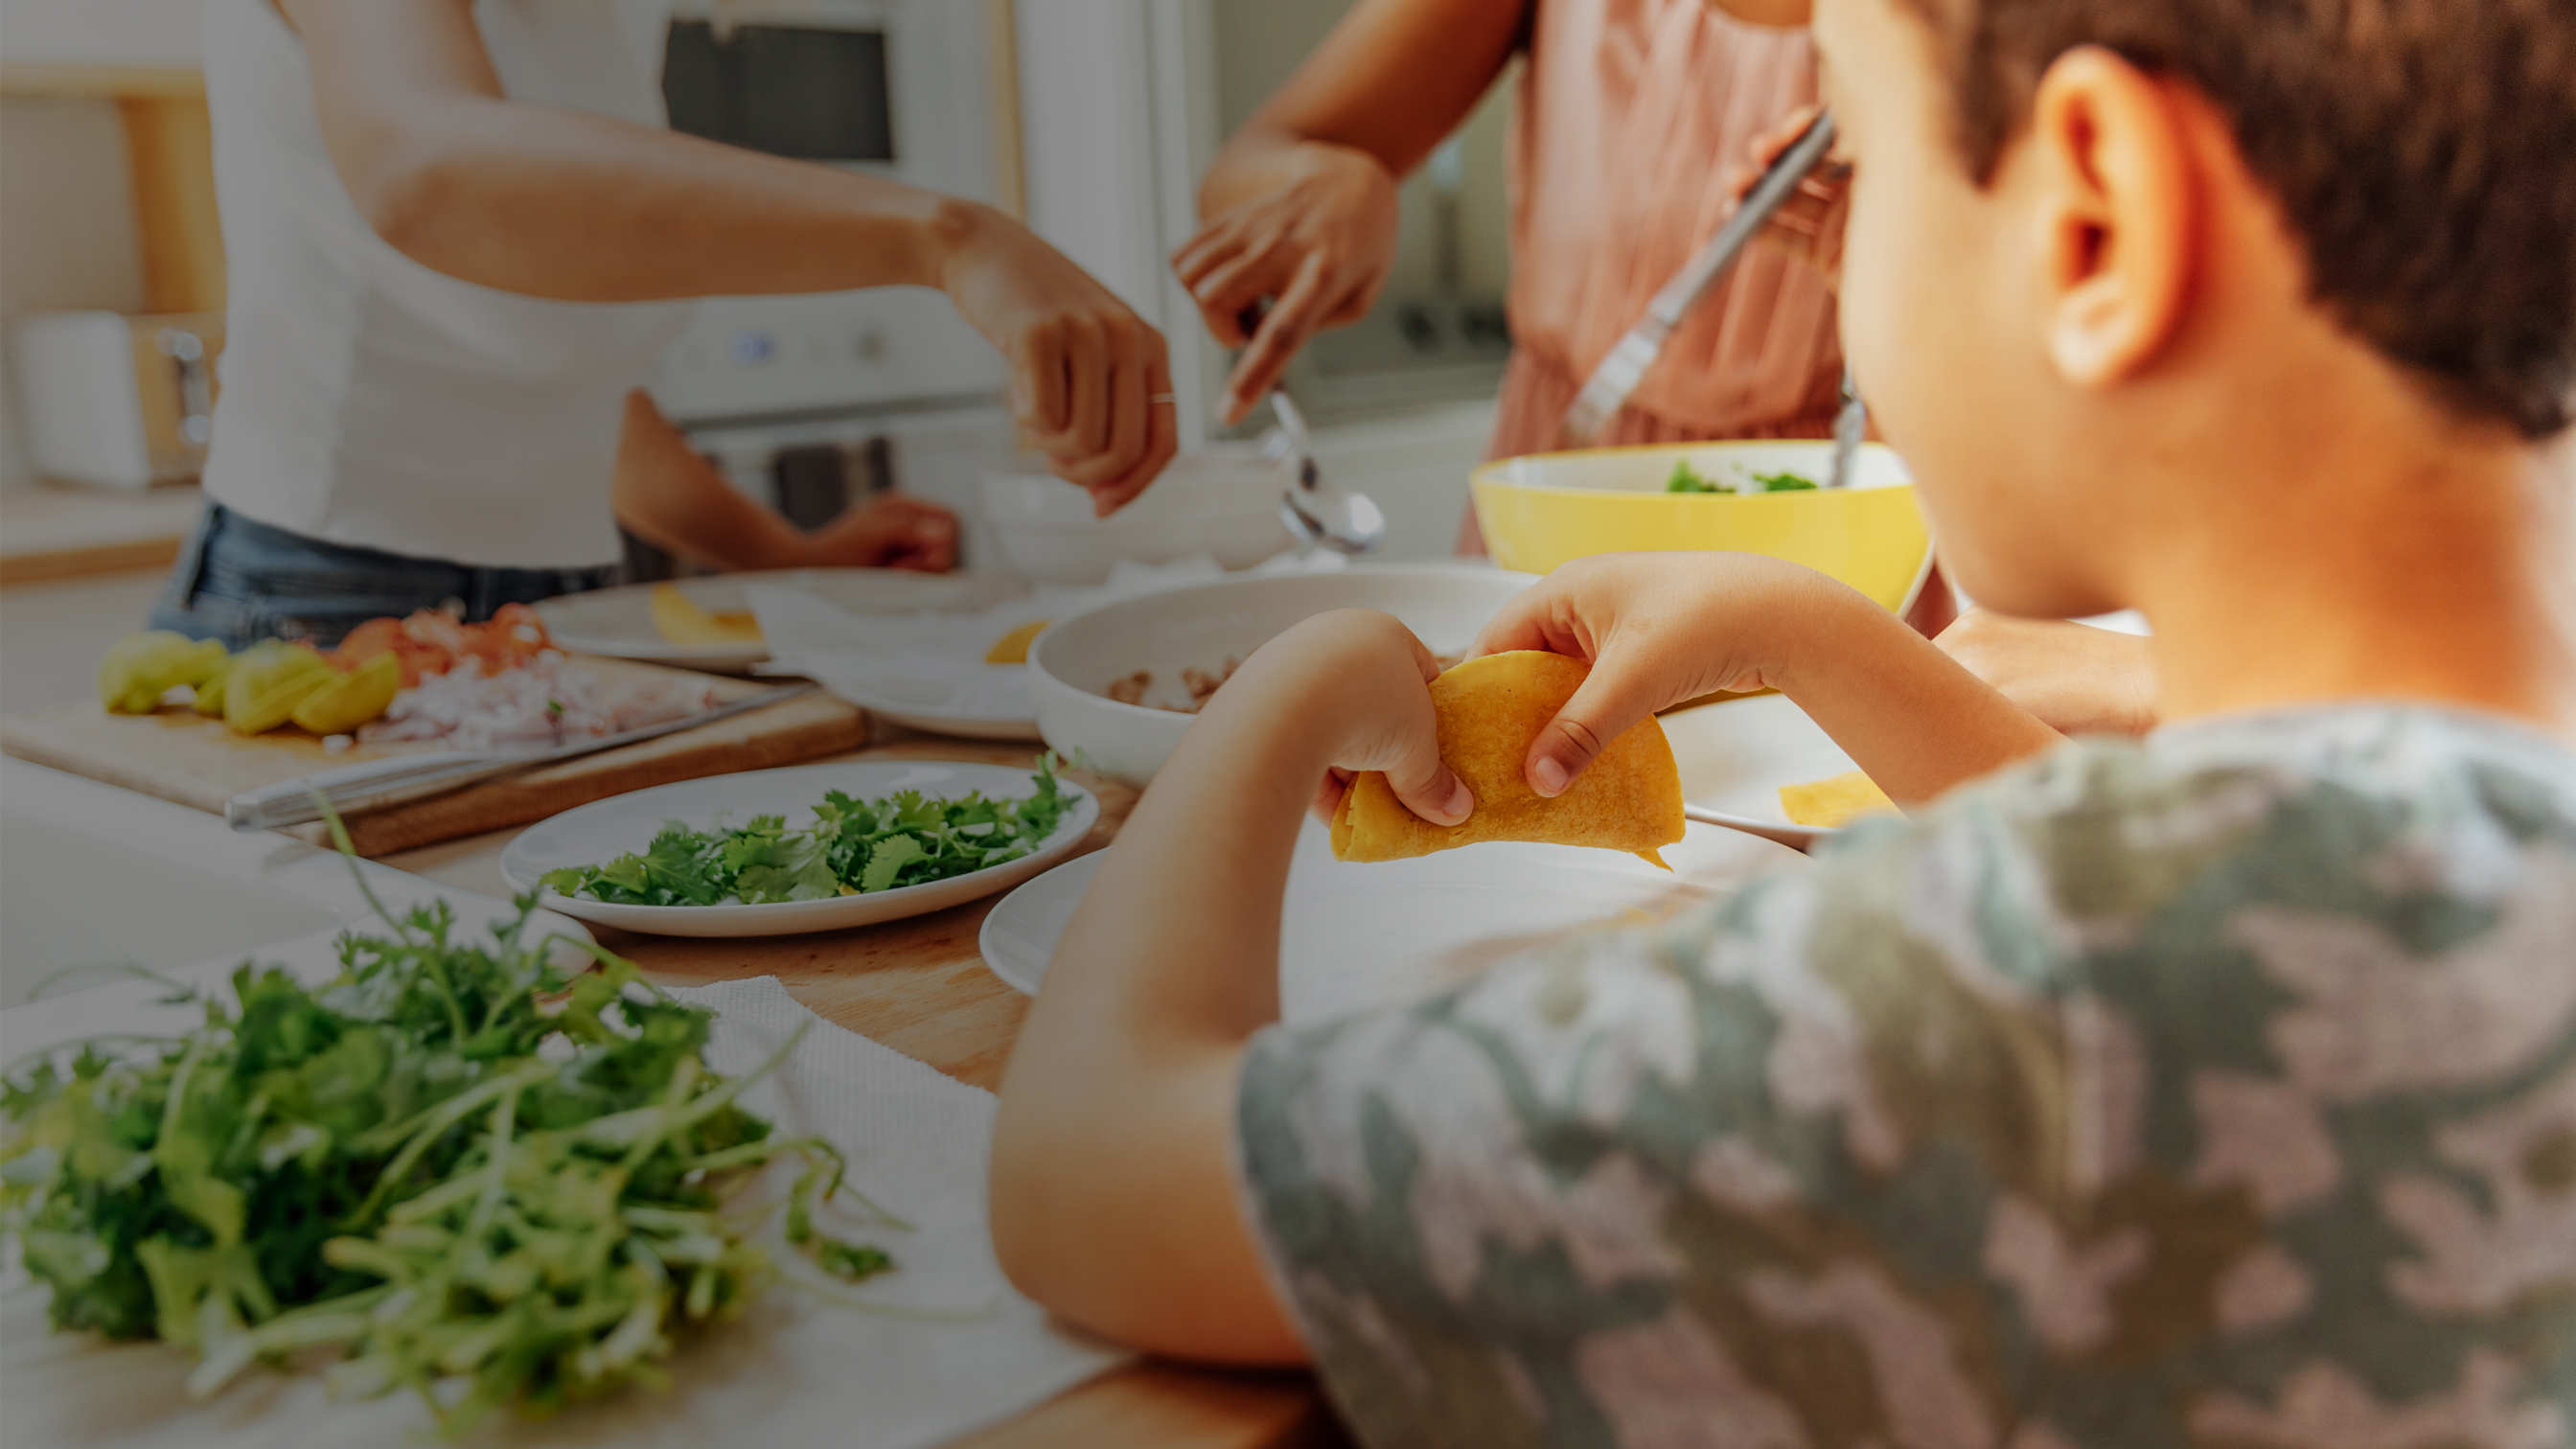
(242, 581)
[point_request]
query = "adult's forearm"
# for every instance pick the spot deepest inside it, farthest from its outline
(1906, 712)
(563, 204)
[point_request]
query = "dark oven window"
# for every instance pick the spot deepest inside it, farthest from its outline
(816, 95)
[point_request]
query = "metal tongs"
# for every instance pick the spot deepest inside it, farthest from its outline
(1608, 389)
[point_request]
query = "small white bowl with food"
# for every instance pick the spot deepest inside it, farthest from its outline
(1117, 685)
(1221, 500)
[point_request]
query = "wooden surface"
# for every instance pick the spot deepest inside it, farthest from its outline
(169, 144)
(71, 530)
(920, 987)
(87, 559)
(179, 756)
(109, 81)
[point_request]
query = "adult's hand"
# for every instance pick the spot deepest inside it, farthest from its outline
(1090, 380)
(890, 531)
(1317, 247)
(1809, 225)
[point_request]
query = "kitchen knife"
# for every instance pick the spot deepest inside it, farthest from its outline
(372, 785)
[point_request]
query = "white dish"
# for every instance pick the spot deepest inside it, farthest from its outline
(606, 829)
(1355, 936)
(618, 623)
(1221, 500)
(993, 703)
(1735, 756)
(1072, 664)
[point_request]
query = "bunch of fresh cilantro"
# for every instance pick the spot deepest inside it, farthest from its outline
(484, 1180)
(1686, 479)
(852, 848)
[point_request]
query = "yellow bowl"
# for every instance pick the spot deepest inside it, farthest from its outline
(1543, 510)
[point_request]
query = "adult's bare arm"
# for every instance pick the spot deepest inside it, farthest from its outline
(552, 202)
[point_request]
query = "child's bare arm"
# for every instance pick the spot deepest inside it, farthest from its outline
(1665, 627)
(1113, 1193)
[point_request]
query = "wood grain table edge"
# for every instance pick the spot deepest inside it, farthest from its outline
(53, 565)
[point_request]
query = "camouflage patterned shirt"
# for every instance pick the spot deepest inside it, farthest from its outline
(2215, 1091)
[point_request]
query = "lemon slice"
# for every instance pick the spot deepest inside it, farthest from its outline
(682, 620)
(265, 685)
(1013, 648)
(344, 703)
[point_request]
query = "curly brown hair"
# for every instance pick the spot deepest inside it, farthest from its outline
(2424, 151)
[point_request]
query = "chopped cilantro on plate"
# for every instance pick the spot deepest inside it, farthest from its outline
(853, 847)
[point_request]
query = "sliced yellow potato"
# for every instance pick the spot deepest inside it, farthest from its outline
(210, 695)
(1013, 648)
(344, 703)
(139, 668)
(1835, 803)
(682, 620)
(267, 682)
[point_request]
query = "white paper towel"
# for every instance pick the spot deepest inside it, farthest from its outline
(792, 1371)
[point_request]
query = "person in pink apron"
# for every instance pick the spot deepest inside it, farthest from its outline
(1634, 118)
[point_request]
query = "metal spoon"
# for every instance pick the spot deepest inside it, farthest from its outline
(1849, 425)
(1314, 510)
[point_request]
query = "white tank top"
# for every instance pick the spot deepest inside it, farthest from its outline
(370, 401)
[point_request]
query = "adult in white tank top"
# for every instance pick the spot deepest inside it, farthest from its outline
(459, 232)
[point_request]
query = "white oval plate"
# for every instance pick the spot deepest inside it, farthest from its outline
(1000, 710)
(621, 824)
(1735, 756)
(1355, 936)
(618, 622)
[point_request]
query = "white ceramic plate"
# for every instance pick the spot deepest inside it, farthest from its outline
(606, 829)
(618, 622)
(993, 706)
(1735, 756)
(1355, 936)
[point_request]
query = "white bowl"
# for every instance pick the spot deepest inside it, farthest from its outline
(1072, 664)
(1221, 500)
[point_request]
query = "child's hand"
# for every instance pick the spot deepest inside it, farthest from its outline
(1362, 681)
(2077, 679)
(1658, 628)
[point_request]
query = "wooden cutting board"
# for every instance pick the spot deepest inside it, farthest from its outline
(182, 757)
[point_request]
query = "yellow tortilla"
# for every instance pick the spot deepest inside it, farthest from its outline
(682, 620)
(1013, 648)
(1489, 710)
(1835, 803)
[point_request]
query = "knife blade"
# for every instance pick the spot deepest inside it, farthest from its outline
(373, 785)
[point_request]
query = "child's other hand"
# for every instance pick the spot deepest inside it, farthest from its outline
(1362, 679)
(1658, 628)
(2077, 679)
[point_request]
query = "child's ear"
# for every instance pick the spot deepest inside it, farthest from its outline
(2115, 214)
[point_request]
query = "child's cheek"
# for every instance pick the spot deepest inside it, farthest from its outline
(1890, 293)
